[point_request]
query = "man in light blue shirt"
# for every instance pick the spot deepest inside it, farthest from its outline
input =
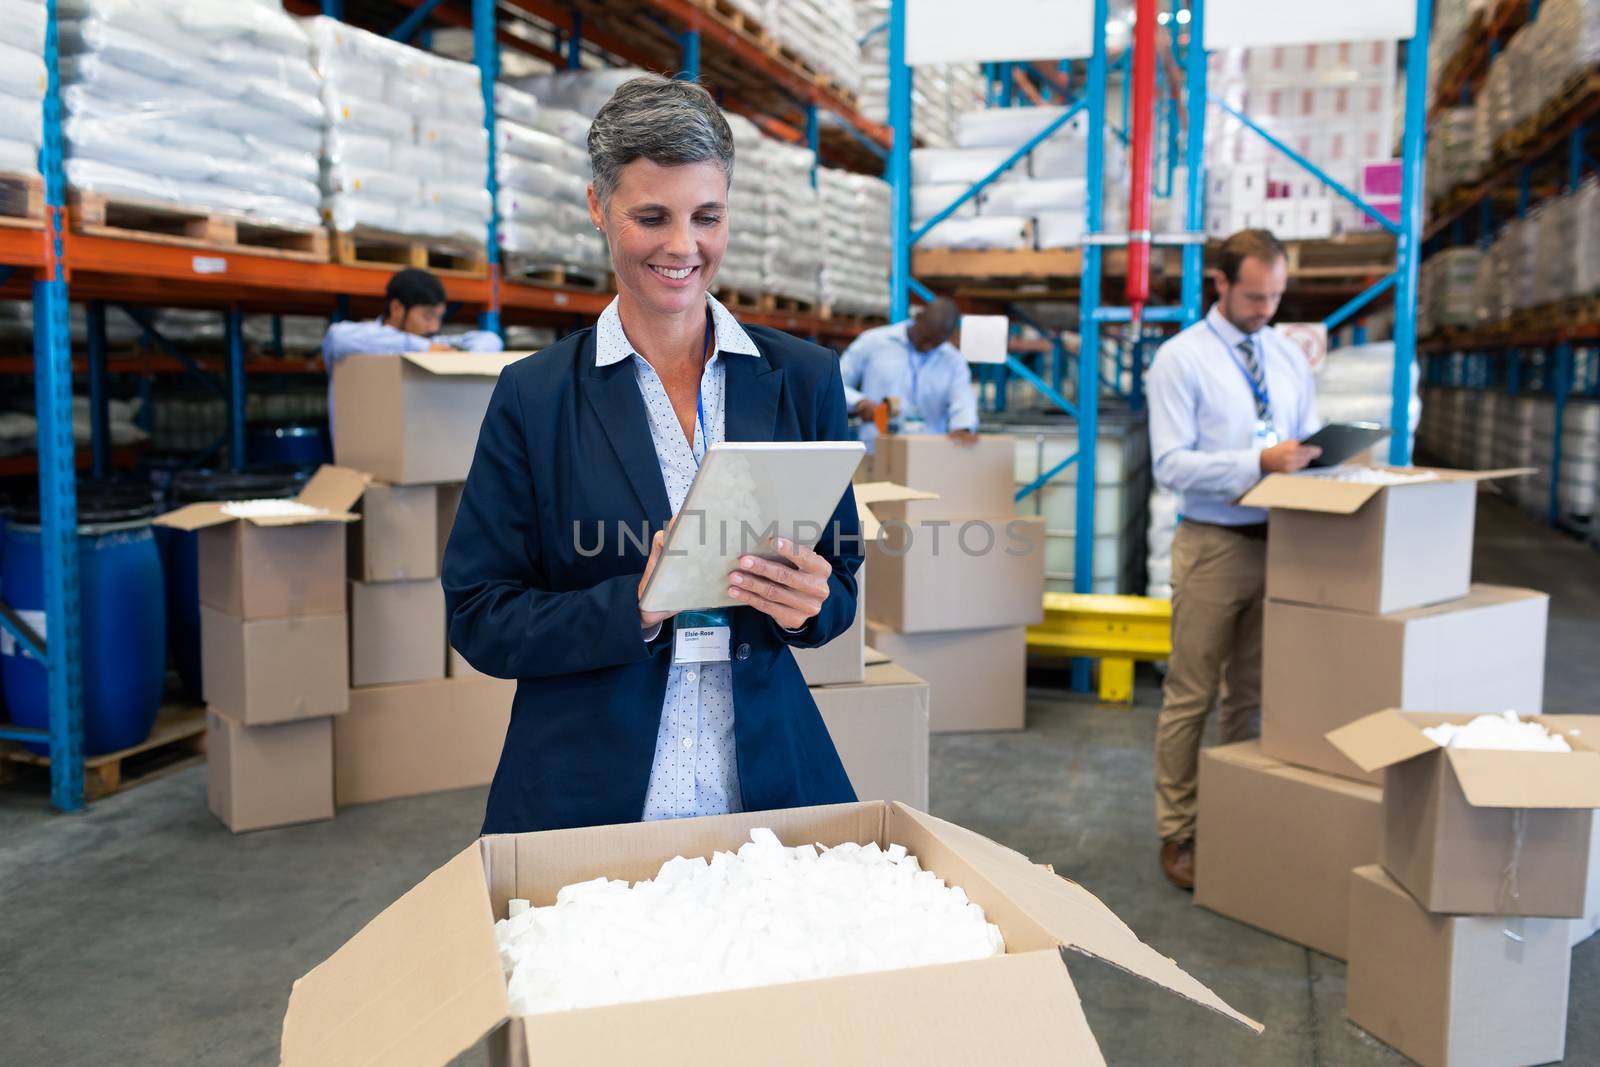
(414, 304)
(1230, 400)
(914, 362)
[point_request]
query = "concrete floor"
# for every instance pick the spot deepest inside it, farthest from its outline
(143, 932)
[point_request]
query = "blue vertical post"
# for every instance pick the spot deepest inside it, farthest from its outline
(1408, 247)
(1194, 62)
(277, 336)
(58, 477)
(574, 42)
(99, 399)
(813, 140)
(1088, 397)
(899, 170)
(1575, 157)
(334, 9)
(1008, 86)
(690, 68)
(1524, 191)
(233, 335)
(486, 54)
(1561, 387)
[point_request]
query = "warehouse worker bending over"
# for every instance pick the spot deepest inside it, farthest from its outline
(914, 362)
(1231, 399)
(414, 303)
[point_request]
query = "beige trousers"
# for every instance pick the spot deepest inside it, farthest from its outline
(1218, 582)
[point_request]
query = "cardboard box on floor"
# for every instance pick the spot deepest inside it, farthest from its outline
(1370, 548)
(272, 567)
(1455, 991)
(420, 737)
(413, 418)
(1323, 667)
(880, 727)
(1585, 728)
(969, 573)
(1277, 844)
(449, 504)
(397, 632)
(1480, 831)
(977, 679)
(258, 777)
(976, 479)
(425, 975)
(397, 539)
(275, 670)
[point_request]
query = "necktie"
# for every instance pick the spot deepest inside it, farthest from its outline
(1253, 365)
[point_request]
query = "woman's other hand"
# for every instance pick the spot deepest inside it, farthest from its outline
(791, 595)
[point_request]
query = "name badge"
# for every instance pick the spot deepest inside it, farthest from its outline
(1264, 436)
(701, 637)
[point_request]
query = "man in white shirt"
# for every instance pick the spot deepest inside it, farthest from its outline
(414, 306)
(914, 362)
(1230, 400)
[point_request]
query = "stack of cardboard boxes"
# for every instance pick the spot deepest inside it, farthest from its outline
(420, 719)
(1370, 606)
(957, 576)
(273, 633)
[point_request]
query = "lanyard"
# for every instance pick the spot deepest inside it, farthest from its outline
(699, 399)
(1261, 393)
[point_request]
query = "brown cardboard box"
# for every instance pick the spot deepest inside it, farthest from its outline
(1580, 728)
(425, 976)
(269, 568)
(977, 679)
(1323, 668)
(275, 670)
(397, 539)
(843, 660)
(456, 666)
(1455, 991)
(880, 727)
(1480, 831)
(421, 737)
(1277, 844)
(413, 418)
(968, 480)
(397, 632)
(449, 504)
(956, 574)
(263, 776)
(1369, 548)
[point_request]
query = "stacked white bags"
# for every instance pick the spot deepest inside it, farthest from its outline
(793, 220)
(743, 263)
(1356, 384)
(821, 32)
(940, 94)
(1446, 288)
(207, 104)
(542, 167)
(23, 81)
(405, 149)
(855, 242)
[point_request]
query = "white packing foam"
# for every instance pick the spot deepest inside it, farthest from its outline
(270, 509)
(1506, 730)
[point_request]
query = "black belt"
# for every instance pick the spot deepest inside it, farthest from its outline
(1254, 530)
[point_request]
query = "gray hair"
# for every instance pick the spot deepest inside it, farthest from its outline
(670, 123)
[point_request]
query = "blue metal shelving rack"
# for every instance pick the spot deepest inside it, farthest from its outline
(1092, 313)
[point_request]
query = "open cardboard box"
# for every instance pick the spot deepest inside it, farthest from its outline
(1372, 548)
(422, 982)
(1481, 831)
(276, 566)
(413, 418)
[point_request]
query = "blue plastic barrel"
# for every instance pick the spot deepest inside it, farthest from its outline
(180, 554)
(289, 444)
(121, 605)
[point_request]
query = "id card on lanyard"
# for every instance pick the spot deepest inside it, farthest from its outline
(1263, 433)
(701, 636)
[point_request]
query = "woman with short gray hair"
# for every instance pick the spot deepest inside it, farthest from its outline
(614, 719)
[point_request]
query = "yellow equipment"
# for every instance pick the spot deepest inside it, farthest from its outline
(1116, 630)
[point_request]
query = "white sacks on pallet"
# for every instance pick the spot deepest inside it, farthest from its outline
(542, 169)
(22, 84)
(212, 106)
(854, 278)
(405, 149)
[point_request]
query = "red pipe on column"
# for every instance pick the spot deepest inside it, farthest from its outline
(1141, 138)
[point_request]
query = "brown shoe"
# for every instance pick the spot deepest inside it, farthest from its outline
(1177, 863)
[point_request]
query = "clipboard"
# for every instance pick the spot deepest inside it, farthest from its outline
(1340, 441)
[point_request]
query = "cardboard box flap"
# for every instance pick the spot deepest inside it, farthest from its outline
(1318, 492)
(193, 517)
(1069, 913)
(1380, 740)
(1492, 778)
(870, 493)
(1030, 1013)
(418, 985)
(468, 364)
(334, 489)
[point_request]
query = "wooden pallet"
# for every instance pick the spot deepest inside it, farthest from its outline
(140, 220)
(1580, 93)
(22, 201)
(1353, 255)
(519, 269)
(382, 250)
(744, 300)
(178, 740)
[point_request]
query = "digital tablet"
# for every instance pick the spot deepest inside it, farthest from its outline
(745, 493)
(1340, 441)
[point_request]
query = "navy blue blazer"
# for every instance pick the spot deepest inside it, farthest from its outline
(567, 443)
